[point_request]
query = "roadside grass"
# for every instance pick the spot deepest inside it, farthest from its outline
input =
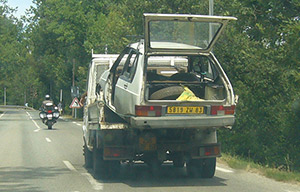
(248, 165)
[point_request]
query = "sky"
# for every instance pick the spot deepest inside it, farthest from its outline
(21, 4)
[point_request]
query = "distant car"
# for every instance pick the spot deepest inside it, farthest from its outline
(168, 90)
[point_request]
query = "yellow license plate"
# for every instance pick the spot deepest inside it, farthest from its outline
(185, 110)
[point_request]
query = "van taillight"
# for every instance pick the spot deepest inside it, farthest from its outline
(222, 110)
(148, 111)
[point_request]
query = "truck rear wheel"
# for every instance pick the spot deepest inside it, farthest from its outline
(88, 157)
(104, 169)
(178, 160)
(204, 168)
(208, 168)
(178, 163)
(155, 166)
(99, 165)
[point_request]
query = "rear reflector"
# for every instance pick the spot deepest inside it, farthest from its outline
(210, 151)
(113, 152)
(148, 111)
(222, 110)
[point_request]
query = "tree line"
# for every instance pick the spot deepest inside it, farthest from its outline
(260, 53)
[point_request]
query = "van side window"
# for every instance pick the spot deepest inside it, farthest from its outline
(130, 65)
(118, 65)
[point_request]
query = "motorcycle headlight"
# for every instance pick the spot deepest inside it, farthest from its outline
(43, 115)
(56, 114)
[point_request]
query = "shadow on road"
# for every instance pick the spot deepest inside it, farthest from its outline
(53, 129)
(17, 179)
(168, 176)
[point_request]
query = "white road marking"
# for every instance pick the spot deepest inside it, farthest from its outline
(224, 170)
(96, 185)
(291, 191)
(48, 140)
(28, 114)
(38, 127)
(12, 183)
(76, 123)
(2, 114)
(37, 130)
(70, 166)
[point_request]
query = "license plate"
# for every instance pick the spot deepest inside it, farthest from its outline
(147, 143)
(185, 110)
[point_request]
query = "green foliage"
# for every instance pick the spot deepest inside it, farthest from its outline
(263, 64)
(17, 74)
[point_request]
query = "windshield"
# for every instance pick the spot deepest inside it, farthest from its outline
(184, 32)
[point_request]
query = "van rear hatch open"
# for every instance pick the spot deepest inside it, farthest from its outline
(182, 33)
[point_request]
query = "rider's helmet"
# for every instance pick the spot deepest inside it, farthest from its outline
(47, 97)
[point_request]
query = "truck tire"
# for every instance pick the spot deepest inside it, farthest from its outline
(179, 163)
(193, 167)
(204, 168)
(178, 158)
(168, 93)
(88, 157)
(208, 168)
(104, 169)
(99, 165)
(155, 167)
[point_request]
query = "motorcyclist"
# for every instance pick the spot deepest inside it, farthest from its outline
(49, 113)
(47, 100)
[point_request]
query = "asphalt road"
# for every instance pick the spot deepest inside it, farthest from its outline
(33, 158)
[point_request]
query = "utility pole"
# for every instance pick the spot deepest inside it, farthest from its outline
(211, 12)
(211, 7)
(74, 111)
(60, 95)
(4, 102)
(73, 78)
(25, 97)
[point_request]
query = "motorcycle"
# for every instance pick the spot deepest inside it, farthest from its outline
(49, 114)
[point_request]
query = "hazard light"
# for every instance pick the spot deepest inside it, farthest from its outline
(148, 111)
